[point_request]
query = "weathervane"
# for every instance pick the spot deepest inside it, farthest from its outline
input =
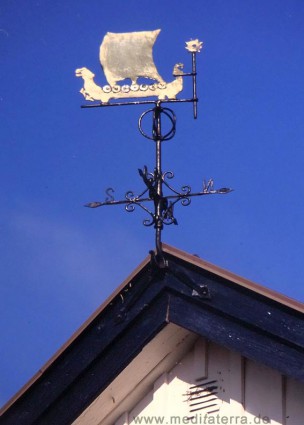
(129, 56)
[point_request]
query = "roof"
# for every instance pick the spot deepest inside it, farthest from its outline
(190, 293)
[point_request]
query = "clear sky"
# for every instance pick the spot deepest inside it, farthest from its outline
(59, 261)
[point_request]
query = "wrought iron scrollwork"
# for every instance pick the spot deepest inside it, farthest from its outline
(166, 203)
(157, 182)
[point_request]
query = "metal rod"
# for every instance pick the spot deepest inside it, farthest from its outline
(194, 84)
(142, 102)
(179, 196)
(158, 200)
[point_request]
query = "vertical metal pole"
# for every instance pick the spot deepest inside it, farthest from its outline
(194, 84)
(158, 200)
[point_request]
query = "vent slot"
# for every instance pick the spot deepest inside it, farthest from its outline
(203, 396)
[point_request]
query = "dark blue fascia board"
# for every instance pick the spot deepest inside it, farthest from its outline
(107, 366)
(249, 341)
(103, 349)
(233, 316)
(241, 304)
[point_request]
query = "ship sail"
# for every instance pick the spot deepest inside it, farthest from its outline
(129, 55)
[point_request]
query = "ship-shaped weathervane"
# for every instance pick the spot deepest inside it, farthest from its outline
(129, 56)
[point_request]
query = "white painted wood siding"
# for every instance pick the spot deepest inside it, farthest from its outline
(246, 393)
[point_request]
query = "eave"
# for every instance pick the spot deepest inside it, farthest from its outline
(260, 324)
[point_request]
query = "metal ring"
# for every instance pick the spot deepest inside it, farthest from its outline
(140, 126)
(172, 118)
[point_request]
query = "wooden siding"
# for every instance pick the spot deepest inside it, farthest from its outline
(160, 355)
(210, 381)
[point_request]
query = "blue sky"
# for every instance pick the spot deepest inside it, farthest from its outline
(59, 261)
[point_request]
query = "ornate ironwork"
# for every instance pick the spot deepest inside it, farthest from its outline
(116, 53)
(155, 182)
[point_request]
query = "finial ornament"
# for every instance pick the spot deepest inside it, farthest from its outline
(194, 46)
(129, 56)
